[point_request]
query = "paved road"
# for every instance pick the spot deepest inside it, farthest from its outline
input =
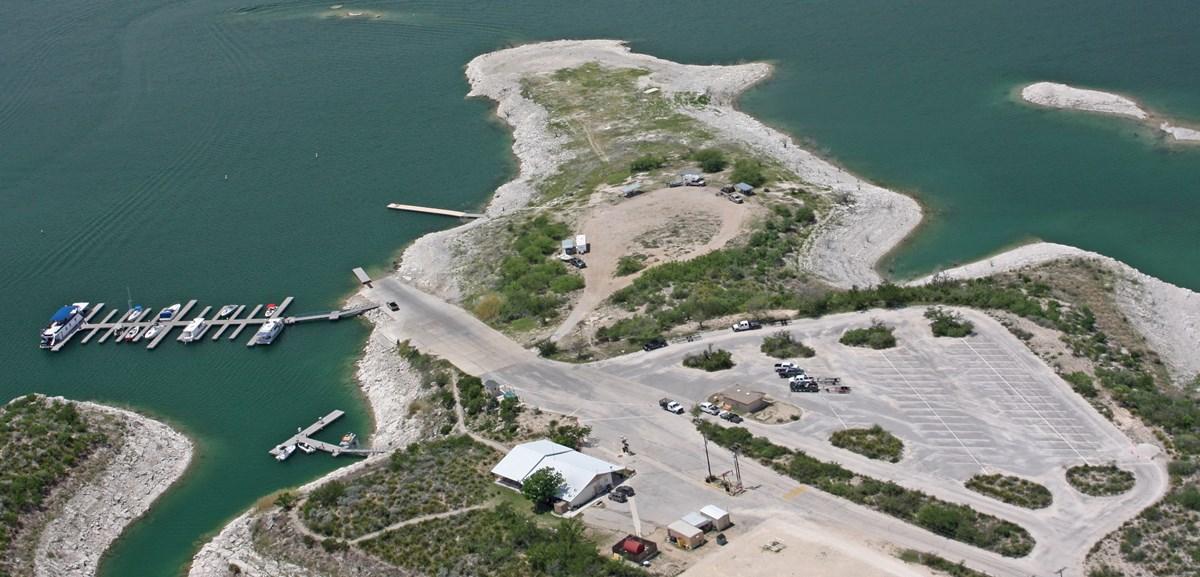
(617, 398)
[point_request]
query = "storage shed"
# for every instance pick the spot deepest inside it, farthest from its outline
(581, 244)
(635, 549)
(684, 535)
(698, 521)
(743, 188)
(568, 246)
(718, 516)
(736, 398)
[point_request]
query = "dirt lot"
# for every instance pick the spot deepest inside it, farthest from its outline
(807, 550)
(664, 225)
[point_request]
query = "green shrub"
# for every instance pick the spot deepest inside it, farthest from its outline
(1081, 383)
(542, 487)
(531, 284)
(948, 324)
(782, 345)
(940, 564)
(647, 163)
(1100, 481)
(710, 159)
(873, 443)
(748, 171)
(569, 435)
(630, 264)
(1012, 490)
(709, 360)
(1188, 497)
(877, 336)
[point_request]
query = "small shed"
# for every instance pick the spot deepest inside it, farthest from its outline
(568, 246)
(635, 549)
(698, 521)
(736, 398)
(581, 244)
(631, 189)
(743, 188)
(684, 535)
(718, 516)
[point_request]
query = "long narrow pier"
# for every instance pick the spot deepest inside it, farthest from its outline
(429, 210)
(305, 436)
(117, 322)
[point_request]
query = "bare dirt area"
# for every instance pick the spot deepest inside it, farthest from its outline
(806, 550)
(666, 225)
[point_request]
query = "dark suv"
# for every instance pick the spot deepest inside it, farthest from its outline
(654, 344)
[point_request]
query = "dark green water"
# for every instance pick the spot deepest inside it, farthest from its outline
(119, 121)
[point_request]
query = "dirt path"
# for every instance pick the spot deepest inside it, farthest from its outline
(670, 224)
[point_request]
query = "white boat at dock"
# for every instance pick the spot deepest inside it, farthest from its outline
(63, 324)
(194, 330)
(169, 312)
(268, 332)
(226, 311)
(134, 313)
(130, 334)
(307, 448)
(285, 452)
(153, 331)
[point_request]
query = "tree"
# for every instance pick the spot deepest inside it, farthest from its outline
(286, 500)
(748, 171)
(711, 160)
(542, 487)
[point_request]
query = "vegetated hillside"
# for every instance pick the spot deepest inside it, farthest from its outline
(42, 443)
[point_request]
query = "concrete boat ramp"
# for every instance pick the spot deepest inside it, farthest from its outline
(113, 324)
(305, 436)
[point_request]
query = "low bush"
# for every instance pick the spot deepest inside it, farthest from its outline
(749, 171)
(1081, 383)
(710, 159)
(647, 162)
(873, 443)
(782, 345)
(531, 284)
(630, 264)
(940, 564)
(877, 336)
(709, 360)
(948, 324)
(1100, 480)
(1012, 490)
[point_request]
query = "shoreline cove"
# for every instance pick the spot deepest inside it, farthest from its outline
(867, 224)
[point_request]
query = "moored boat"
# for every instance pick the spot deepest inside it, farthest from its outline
(268, 332)
(169, 312)
(131, 334)
(63, 324)
(270, 310)
(194, 330)
(348, 440)
(134, 313)
(285, 452)
(226, 311)
(153, 331)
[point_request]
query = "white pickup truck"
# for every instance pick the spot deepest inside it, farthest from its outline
(746, 326)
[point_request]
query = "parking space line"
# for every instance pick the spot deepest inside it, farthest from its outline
(935, 413)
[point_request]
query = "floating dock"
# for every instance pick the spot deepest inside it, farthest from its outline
(305, 436)
(428, 210)
(115, 324)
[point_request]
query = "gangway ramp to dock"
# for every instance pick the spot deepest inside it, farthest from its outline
(429, 210)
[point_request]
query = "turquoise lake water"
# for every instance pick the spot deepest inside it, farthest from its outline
(119, 122)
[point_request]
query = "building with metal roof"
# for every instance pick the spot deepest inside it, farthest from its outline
(584, 477)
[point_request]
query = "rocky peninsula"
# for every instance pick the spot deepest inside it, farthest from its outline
(1055, 95)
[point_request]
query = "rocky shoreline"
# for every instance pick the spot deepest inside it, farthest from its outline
(151, 457)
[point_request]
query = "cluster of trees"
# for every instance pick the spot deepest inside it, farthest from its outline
(945, 323)
(877, 336)
(710, 159)
(709, 360)
(476, 403)
(630, 264)
(568, 435)
(950, 520)
(531, 285)
(41, 442)
(782, 345)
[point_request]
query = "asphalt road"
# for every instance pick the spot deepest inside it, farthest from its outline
(962, 406)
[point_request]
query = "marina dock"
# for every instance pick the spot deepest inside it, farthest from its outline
(305, 436)
(428, 210)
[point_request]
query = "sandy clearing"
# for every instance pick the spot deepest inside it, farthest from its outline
(811, 551)
(676, 217)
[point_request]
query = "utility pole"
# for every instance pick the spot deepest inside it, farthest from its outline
(737, 470)
(707, 461)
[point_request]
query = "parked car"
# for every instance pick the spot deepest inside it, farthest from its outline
(618, 497)
(710, 408)
(746, 326)
(728, 188)
(731, 416)
(577, 262)
(654, 344)
(803, 384)
(624, 490)
(663, 402)
(787, 367)
(788, 373)
(393, 306)
(674, 407)
(736, 198)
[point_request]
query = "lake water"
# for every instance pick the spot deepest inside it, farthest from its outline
(120, 121)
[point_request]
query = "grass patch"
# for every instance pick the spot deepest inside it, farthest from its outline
(41, 442)
(877, 336)
(1100, 481)
(873, 443)
(709, 360)
(946, 323)
(424, 479)
(531, 284)
(782, 345)
(950, 520)
(498, 542)
(1012, 490)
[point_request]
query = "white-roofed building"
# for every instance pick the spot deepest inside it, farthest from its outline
(584, 477)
